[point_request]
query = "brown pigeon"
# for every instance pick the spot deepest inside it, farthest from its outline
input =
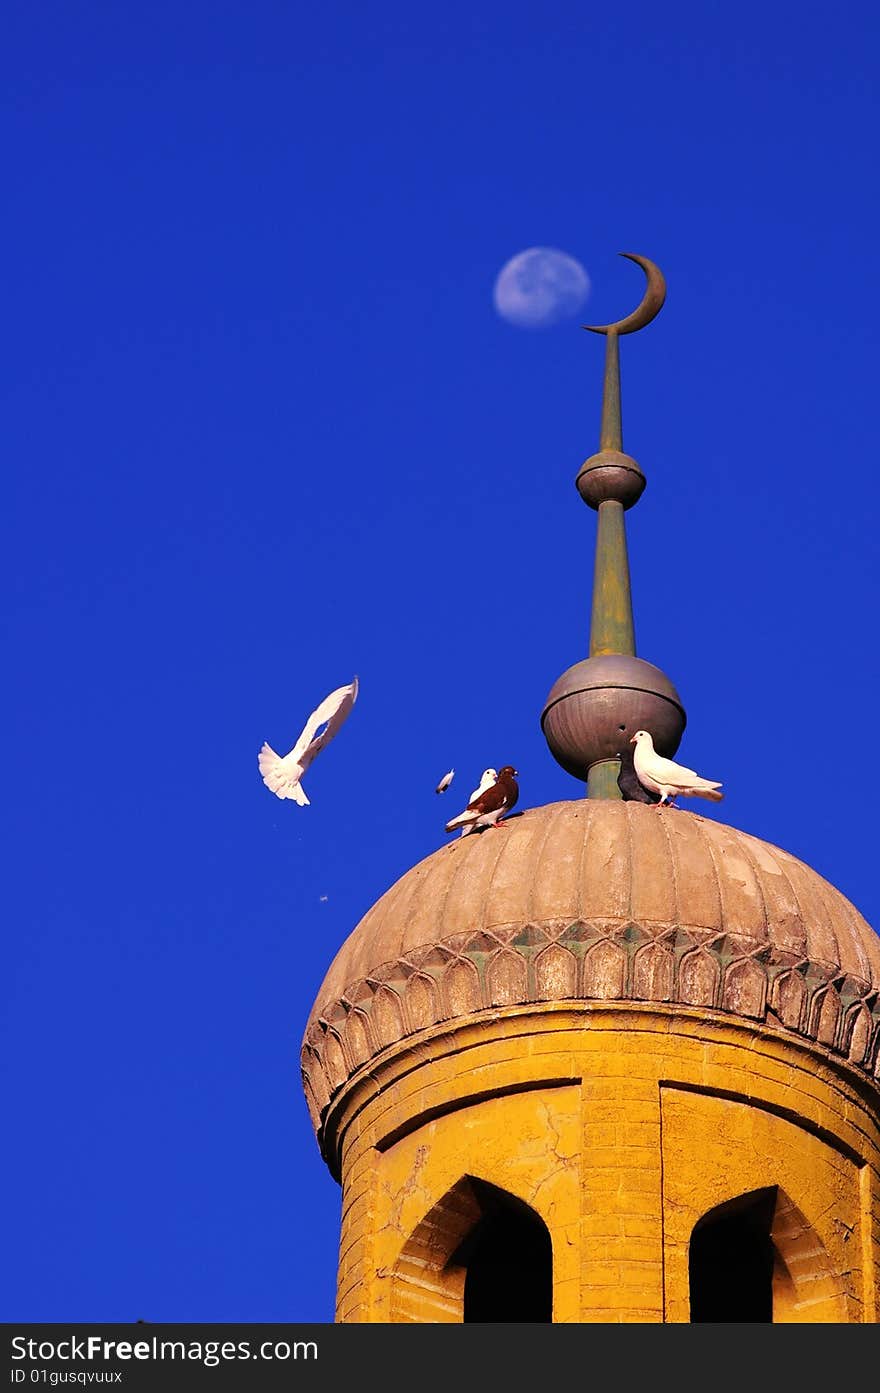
(487, 778)
(492, 805)
(628, 783)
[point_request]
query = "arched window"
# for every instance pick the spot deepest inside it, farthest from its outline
(756, 1258)
(731, 1261)
(480, 1254)
(508, 1258)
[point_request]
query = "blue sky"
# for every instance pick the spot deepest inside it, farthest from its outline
(264, 431)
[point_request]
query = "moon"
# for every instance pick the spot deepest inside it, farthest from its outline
(540, 287)
(650, 305)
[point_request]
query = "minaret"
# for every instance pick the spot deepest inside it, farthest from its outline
(596, 705)
(608, 1062)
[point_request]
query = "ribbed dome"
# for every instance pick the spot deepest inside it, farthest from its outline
(599, 900)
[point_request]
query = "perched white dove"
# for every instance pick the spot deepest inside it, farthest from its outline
(667, 778)
(283, 774)
(445, 782)
(489, 809)
(487, 779)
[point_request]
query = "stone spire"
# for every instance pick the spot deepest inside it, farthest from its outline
(595, 706)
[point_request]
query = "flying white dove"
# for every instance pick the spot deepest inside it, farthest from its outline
(282, 774)
(667, 778)
(487, 779)
(445, 782)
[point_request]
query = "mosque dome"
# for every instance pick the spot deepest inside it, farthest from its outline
(599, 901)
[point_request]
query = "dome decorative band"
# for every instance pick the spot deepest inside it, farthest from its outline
(599, 901)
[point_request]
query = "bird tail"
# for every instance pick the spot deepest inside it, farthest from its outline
(461, 821)
(712, 791)
(277, 778)
(269, 762)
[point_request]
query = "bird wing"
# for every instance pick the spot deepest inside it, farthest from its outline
(666, 771)
(474, 809)
(333, 710)
(493, 799)
(497, 795)
(672, 775)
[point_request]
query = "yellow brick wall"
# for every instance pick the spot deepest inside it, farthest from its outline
(743, 1146)
(620, 1126)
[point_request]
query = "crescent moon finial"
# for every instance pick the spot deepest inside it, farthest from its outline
(650, 307)
(611, 437)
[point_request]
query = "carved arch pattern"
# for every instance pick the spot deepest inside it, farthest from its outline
(522, 964)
